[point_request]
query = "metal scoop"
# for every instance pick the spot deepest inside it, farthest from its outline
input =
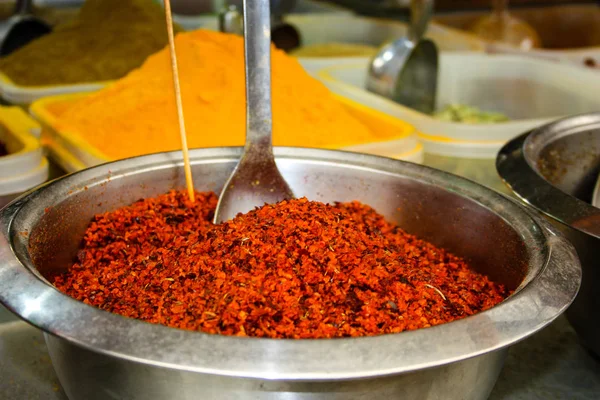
(256, 179)
(21, 28)
(405, 70)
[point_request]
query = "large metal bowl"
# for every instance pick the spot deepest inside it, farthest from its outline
(554, 169)
(99, 355)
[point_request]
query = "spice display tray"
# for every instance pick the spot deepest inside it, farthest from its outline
(25, 166)
(73, 153)
(530, 91)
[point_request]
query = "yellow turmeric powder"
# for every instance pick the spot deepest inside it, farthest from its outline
(137, 115)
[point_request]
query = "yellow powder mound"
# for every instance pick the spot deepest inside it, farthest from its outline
(137, 115)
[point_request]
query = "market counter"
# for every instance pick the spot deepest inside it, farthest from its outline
(549, 365)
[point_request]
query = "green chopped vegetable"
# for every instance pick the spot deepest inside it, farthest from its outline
(468, 115)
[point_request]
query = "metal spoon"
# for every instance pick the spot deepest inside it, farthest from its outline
(411, 61)
(21, 28)
(256, 179)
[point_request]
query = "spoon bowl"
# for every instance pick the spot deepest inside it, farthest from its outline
(256, 179)
(393, 68)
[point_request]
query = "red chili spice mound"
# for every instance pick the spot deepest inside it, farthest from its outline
(296, 269)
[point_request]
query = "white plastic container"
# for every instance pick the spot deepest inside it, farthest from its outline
(531, 92)
(25, 167)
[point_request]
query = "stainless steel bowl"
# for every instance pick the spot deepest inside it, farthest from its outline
(554, 169)
(99, 355)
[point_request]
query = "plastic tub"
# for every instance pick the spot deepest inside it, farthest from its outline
(25, 167)
(530, 91)
(73, 153)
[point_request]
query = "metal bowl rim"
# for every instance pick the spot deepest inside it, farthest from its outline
(518, 173)
(527, 311)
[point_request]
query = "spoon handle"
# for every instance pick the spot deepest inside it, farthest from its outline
(420, 14)
(259, 119)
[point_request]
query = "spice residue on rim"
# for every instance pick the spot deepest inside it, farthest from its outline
(296, 269)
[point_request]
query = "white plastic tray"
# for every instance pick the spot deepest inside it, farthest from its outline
(530, 91)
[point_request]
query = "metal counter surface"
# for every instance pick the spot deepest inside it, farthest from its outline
(549, 365)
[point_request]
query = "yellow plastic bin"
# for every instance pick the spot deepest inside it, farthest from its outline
(25, 166)
(72, 152)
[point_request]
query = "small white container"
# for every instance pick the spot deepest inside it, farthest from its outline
(25, 167)
(531, 92)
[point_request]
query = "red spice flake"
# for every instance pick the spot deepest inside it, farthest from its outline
(297, 269)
